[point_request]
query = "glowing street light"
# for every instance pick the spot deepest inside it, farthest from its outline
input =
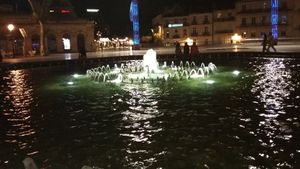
(189, 41)
(10, 27)
(236, 38)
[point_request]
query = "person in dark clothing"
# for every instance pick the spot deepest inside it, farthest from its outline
(186, 50)
(271, 43)
(178, 51)
(81, 47)
(264, 43)
(194, 50)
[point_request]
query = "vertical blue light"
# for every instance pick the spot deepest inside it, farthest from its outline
(134, 17)
(274, 18)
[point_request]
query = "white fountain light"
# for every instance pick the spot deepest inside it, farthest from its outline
(118, 80)
(236, 72)
(149, 61)
(70, 83)
(76, 75)
(210, 82)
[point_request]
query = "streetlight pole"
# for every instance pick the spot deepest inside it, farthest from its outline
(11, 27)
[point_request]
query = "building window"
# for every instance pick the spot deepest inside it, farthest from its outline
(253, 35)
(265, 5)
(184, 32)
(283, 5)
(194, 30)
(244, 35)
(263, 20)
(253, 21)
(206, 29)
(206, 21)
(244, 8)
(283, 20)
(184, 21)
(283, 33)
(244, 21)
(194, 20)
(168, 35)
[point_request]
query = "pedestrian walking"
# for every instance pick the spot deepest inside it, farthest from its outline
(264, 43)
(271, 43)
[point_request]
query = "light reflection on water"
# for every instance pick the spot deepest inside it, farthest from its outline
(272, 88)
(245, 121)
(21, 133)
(137, 128)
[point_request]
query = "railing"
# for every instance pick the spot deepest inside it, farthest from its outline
(194, 34)
(206, 21)
(225, 19)
(223, 31)
(262, 10)
(260, 24)
(205, 34)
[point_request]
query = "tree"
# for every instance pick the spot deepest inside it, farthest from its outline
(40, 11)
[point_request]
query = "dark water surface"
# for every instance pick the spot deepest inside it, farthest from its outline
(250, 120)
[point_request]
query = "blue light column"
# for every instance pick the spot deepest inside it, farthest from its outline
(274, 18)
(134, 17)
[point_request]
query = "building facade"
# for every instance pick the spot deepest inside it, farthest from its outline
(61, 35)
(249, 18)
(253, 18)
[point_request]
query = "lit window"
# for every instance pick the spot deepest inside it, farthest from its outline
(244, 21)
(253, 21)
(67, 43)
(283, 19)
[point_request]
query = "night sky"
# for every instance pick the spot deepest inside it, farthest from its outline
(115, 13)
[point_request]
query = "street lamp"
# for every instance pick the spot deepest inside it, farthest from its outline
(11, 27)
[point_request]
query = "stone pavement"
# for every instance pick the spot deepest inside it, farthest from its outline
(255, 47)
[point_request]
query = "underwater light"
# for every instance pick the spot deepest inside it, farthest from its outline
(70, 83)
(76, 75)
(236, 72)
(209, 81)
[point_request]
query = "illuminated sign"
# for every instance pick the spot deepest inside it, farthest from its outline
(92, 10)
(176, 25)
(274, 18)
(134, 18)
(65, 11)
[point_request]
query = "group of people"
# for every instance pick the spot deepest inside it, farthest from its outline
(268, 42)
(187, 50)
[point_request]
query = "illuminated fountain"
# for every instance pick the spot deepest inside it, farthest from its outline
(149, 71)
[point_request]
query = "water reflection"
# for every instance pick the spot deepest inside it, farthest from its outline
(140, 125)
(272, 89)
(18, 103)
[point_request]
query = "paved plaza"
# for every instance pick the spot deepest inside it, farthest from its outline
(255, 47)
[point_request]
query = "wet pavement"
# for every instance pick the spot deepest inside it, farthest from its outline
(289, 48)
